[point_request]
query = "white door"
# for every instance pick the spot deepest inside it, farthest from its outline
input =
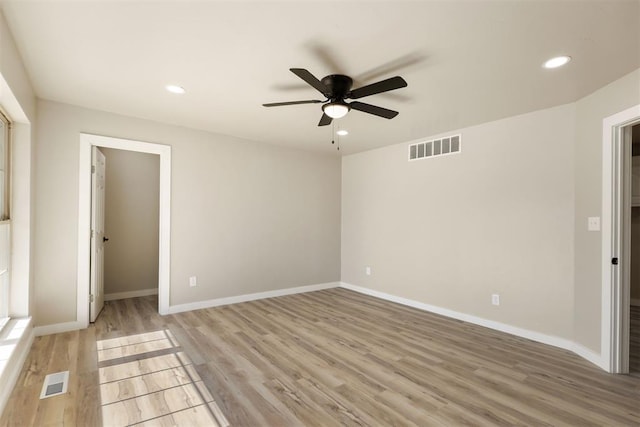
(96, 293)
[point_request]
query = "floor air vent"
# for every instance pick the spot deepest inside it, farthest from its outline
(55, 384)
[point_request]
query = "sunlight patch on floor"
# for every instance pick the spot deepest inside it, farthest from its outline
(146, 379)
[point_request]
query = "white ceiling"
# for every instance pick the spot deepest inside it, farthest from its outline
(465, 62)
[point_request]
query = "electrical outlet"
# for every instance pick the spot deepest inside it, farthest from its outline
(193, 281)
(593, 223)
(367, 270)
(495, 299)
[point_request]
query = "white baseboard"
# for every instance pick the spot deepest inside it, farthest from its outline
(563, 343)
(75, 325)
(130, 294)
(590, 355)
(11, 371)
(57, 328)
(179, 308)
(635, 301)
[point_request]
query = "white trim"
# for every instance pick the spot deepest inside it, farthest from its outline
(609, 126)
(22, 206)
(58, 328)
(11, 371)
(588, 354)
(250, 297)
(498, 326)
(635, 301)
(84, 217)
(130, 294)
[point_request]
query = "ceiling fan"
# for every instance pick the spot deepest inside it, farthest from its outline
(336, 88)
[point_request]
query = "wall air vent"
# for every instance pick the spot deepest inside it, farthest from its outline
(55, 384)
(436, 147)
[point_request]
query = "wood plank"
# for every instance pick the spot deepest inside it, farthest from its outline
(332, 357)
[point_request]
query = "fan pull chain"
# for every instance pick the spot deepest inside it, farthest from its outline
(333, 134)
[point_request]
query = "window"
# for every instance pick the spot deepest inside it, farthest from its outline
(5, 225)
(4, 167)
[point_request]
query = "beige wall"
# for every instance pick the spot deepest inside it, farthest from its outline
(245, 217)
(454, 231)
(131, 221)
(451, 231)
(15, 75)
(590, 112)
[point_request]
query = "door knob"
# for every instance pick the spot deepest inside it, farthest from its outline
(105, 239)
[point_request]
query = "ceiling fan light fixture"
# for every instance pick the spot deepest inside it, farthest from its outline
(336, 109)
(336, 88)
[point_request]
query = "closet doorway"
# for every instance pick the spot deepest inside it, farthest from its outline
(634, 282)
(132, 202)
(87, 143)
(617, 201)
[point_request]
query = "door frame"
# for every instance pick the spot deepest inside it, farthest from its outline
(87, 141)
(615, 243)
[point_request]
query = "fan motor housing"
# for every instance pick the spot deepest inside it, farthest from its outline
(339, 86)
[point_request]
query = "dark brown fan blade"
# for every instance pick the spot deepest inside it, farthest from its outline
(325, 120)
(379, 87)
(311, 80)
(279, 104)
(372, 109)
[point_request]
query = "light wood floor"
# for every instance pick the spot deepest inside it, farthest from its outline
(320, 359)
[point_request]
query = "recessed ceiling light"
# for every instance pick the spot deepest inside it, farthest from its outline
(556, 62)
(342, 132)
(175, 89)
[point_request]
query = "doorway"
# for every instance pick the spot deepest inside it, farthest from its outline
(634, 230)
(87, 142)
(131, 224)
(616, 239)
